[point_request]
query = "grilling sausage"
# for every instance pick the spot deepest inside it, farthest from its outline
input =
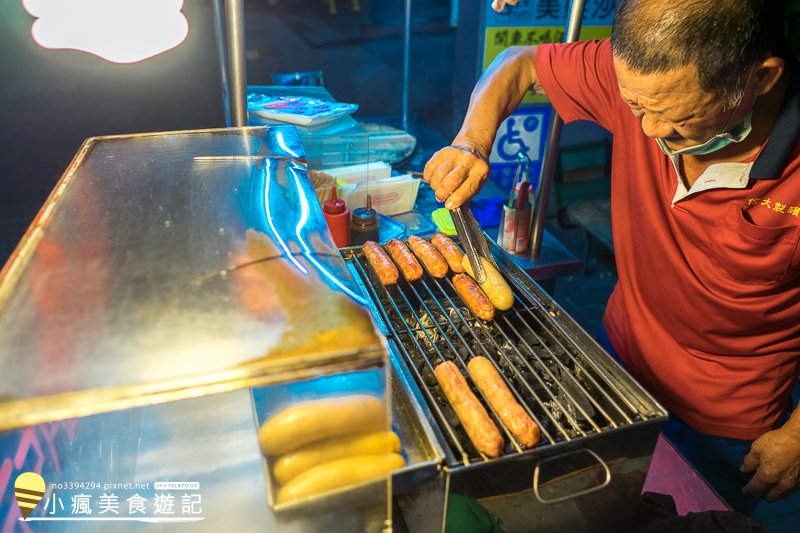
(511, 413)
(494, 285)
(476, 421)
(429, 256)
(451, 253)
(380, 262)
(315, 420)
(473, 296)
(408, 264)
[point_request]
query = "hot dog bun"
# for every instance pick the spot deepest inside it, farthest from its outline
(316, 420)
(340, 473)
(494, 286)
(289, 466)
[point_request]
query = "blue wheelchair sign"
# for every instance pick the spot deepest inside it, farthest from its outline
(524, 131)
(511, 141)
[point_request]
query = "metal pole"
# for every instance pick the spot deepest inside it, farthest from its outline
(234, 14)
(551, 151)
(406, 61)
(219, 34)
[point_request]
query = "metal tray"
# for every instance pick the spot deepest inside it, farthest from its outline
(424, 457)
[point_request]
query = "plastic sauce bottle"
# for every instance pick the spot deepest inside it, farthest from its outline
(365, 224)
(338, 218)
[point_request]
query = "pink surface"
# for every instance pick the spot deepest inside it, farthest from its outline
(670, 474)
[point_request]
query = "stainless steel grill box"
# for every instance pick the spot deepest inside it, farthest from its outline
(598, 426)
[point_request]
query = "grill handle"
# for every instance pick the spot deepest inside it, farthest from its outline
(583, 492)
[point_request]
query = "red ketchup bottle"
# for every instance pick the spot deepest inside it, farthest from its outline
(338, 218)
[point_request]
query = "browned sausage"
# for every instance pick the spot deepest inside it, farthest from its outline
(451, 253)
(473, 296)
(497, 393)
(408, 264)
(380, 261)
(426, 253)
(479, 427)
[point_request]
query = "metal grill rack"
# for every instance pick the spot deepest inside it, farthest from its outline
(553, 377)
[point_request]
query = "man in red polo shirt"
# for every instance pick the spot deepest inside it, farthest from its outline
(703, 101)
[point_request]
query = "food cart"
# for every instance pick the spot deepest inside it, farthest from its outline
(178, 290)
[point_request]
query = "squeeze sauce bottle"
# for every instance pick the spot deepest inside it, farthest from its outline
(365, 224)
(338, 218)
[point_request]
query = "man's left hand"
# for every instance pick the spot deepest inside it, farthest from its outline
(775, 459)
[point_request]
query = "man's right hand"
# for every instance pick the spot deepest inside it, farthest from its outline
(456, 174)
(458, 171)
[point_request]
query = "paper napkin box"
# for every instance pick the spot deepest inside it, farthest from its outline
(390, 196)
(355, 174)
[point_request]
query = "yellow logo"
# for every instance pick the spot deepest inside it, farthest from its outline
(29, 489)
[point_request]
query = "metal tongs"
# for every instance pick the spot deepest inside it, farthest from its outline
(472, 240)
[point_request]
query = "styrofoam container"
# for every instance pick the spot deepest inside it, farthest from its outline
(353, 174)
(389, 196)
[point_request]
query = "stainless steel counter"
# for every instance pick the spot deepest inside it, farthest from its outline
(129, 288)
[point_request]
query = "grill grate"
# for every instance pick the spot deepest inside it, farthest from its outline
(549, 374)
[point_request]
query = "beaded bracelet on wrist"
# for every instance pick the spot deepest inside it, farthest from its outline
(470, 151)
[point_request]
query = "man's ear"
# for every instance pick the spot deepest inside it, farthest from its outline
(767, 73)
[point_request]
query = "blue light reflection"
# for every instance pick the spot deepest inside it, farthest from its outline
(301, 230)
(262, 198)
(282, 204)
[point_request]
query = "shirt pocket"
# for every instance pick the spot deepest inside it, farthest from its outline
(754, 254)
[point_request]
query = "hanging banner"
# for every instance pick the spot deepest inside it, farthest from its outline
(550, 13)
(534, 22)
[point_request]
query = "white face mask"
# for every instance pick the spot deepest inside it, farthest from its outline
(717, 142)
(720, 140)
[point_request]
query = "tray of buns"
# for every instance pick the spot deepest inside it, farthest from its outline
(332, 441)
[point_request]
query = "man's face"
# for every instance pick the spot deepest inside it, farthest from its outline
(673, 107)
